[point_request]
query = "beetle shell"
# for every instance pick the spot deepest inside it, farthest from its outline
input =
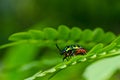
(71, 50)
(80, 51)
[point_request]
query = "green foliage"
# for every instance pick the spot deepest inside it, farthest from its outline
(98, 34)
(87, 35)
(36, 34)
(75, 33)
(99, 45)
(20, 36)
(50, 34)
(63, 32)
(104, 72)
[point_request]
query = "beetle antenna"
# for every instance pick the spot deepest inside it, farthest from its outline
(58, 48)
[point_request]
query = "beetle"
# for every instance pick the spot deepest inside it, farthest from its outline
(71, 50)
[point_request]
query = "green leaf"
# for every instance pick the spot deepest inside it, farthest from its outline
(103, 69)
(17, 52)
(98, 34)
(97, 48)
(87, 35)
(20, 36)
(15, 58)
(45, 40)
(75, 33)
(108, 37)
(36, 34)
(117, 40)
(64, 32)
(73, 61)
(50, 33)
(109, 47)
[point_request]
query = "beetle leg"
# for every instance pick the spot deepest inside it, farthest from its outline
(65, 57)
(72, 53)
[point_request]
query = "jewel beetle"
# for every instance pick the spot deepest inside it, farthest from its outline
(71, 50)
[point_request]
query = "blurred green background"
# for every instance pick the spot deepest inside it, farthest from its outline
(19, 15)
(22, 15)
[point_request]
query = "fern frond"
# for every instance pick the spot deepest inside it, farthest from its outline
(97, 52)
(98, 43)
